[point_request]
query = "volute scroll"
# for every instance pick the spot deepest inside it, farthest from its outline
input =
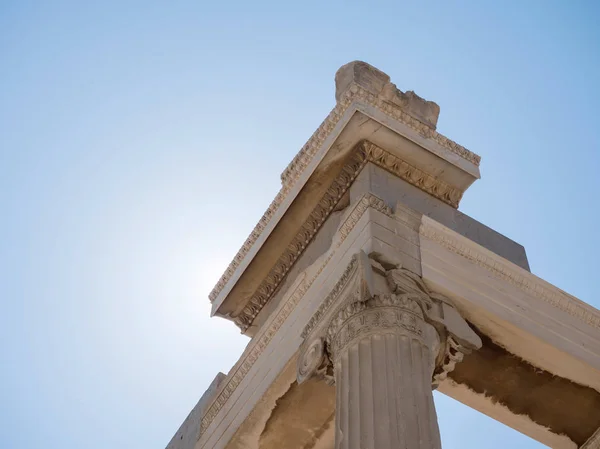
(314, 361)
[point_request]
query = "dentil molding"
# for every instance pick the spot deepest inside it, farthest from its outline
(296, 168)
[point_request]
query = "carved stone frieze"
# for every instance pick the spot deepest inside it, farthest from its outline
(366, 201)
(412, 175)
(256, 347)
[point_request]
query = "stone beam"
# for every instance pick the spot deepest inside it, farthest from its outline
(399, 134)
(540, 358)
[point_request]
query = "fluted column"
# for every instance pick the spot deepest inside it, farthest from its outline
(383, 354)
(385, 340)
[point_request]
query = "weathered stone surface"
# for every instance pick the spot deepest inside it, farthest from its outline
(363, 274)
(362, 74)
(593, 442)
(378, 83)
(368, 125)
(389, 340)
(564, 407)
(300, 417)
(371, 224)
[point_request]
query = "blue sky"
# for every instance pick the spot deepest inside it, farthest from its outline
(141, 141)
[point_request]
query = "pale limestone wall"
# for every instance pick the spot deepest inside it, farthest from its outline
(187, 435)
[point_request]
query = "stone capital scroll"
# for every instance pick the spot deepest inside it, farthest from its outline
(369, 299)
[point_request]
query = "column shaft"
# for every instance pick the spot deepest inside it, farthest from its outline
(384, 397)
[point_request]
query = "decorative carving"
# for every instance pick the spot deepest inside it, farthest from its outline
(509, 272)
(453, 353)
(411, 174)
(365, 152)
(265, 335)
(295, 249)
(366, 201)
(410, 309)
(303, 158)
(314, 362)
(357, 93)
(378, 315)
(359, 269)
(256, 347)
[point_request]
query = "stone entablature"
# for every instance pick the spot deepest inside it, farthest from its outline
(375, 92)
(364, 152)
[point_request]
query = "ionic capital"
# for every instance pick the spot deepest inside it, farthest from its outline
(370, 300)
(399, 314)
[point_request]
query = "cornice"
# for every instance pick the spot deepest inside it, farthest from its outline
(364, 152)
(354, 93)
(509, 272)
(435, 187)
(302, 239)
(306, 154)
(258, 344)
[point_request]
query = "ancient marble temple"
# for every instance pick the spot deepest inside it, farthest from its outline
(364, 288)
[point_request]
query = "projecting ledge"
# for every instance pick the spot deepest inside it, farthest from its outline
(372, 122)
